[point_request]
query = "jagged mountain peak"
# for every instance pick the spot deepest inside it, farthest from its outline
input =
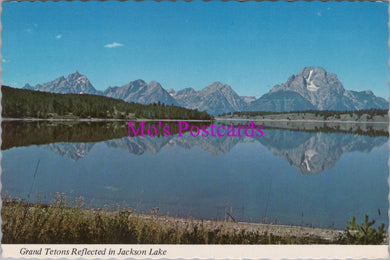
(310, 80)
(139, 91)
(139, 81)
(217, 86)
(77, 78)
(75, 74)
(305, 71)
(216, 98)
(135, 83)
(323, 90)
(315, 88)
(75, 83)
(155, 84)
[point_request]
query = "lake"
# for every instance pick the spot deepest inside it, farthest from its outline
(302, 174)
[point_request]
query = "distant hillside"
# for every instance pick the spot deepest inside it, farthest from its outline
(22, 103)
(280, 101)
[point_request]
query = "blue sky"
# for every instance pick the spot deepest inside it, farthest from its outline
(251, 46)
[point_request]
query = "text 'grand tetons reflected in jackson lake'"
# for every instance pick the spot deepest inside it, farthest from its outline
(300, 174)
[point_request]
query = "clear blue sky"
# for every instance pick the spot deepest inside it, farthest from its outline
(251, 46)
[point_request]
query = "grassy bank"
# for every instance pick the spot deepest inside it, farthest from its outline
(59, 223)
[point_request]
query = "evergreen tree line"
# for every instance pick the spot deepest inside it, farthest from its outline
(22, 103)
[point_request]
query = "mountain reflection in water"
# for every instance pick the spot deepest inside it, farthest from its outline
(203, 176)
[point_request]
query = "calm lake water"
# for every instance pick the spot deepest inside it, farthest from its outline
(319, 177)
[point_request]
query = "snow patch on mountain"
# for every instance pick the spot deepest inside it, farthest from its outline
(310, 85)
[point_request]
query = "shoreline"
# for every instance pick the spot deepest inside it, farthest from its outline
(300, 121)
(231, 226)
(188, 120)
(101, 120)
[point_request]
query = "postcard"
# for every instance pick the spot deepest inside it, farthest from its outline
(194, 130)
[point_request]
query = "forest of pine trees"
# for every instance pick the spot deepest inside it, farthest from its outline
(22, 103)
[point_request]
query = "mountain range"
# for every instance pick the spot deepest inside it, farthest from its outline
(311, 89)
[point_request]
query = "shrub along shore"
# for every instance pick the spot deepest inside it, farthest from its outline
(59, 223)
